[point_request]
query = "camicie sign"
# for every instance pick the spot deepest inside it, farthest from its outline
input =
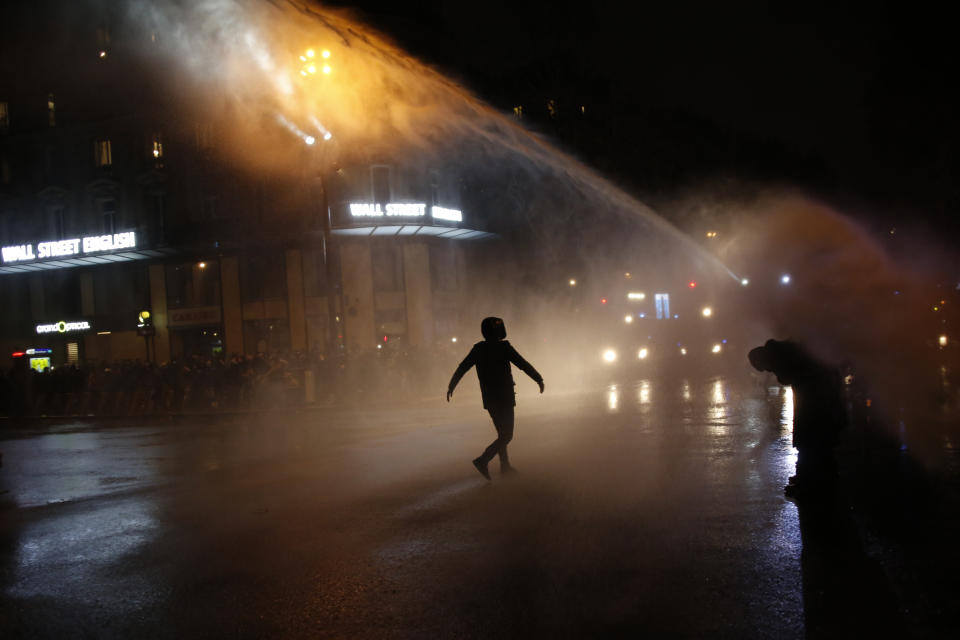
(404, 210)
(67, 248)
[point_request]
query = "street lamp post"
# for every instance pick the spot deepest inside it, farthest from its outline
(310, 66)
(334, 333)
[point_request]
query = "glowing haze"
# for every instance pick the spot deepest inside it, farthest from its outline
(258, 69)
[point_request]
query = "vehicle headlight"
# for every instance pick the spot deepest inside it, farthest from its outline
(609, 355)
(717, 348)
(643, 353)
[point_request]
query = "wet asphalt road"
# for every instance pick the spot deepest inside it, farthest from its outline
(650, 508)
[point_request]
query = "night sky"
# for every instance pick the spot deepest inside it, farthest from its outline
(855, 103)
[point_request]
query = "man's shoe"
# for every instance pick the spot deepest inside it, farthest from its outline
(482, 467)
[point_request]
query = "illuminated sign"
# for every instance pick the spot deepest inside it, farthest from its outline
(441, 213)
(64, 327)
(39, 352)
(391, 209)
(67, 248)
(197, 316)
(403, 210)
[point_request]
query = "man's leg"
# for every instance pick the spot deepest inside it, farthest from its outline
(492, 450)
(503, 421)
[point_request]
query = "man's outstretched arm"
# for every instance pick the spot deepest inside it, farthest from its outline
(526, 367)
(468, 362)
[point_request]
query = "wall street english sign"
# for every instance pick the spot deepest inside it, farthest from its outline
(22, 253)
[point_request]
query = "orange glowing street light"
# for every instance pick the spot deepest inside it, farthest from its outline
(309, 60)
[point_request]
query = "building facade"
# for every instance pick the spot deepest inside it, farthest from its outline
(115, 201)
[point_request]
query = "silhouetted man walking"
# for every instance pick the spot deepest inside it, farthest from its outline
(492, 358)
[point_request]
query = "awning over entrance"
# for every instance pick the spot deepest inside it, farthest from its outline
(86, 261)
(379, 231)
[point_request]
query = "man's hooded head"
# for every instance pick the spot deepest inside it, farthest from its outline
(759, 358)
(493, 329)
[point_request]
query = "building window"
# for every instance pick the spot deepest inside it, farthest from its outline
(4, 117)
(57, 222)
(48, 161)
(434, 186)
(157, 150)
(102, 153)
(195, 284)
(61, 293)
(51, 111)
(108, 208)
(119, 291)
(380, 177)
(263, 277)
(160, 214)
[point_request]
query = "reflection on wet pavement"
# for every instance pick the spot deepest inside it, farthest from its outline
(649, 505)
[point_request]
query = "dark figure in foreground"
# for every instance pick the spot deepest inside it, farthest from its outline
(492, 358)
(818, 416)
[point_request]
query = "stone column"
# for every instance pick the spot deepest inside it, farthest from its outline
(87, 307)
(357, 278)
(296, 308)
(232, 312)
(158, 308)
(416, 276)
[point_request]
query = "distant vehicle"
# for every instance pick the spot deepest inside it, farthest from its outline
(641, 332)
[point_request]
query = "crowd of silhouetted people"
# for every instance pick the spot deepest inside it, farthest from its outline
(262, 381)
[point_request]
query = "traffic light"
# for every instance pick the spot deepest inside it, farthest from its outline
(145, 324)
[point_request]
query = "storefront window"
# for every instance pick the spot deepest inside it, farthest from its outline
(61, 293)
(263, 277)
(266, 336)
(203, 342)
(390, 321)
(119, 291)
